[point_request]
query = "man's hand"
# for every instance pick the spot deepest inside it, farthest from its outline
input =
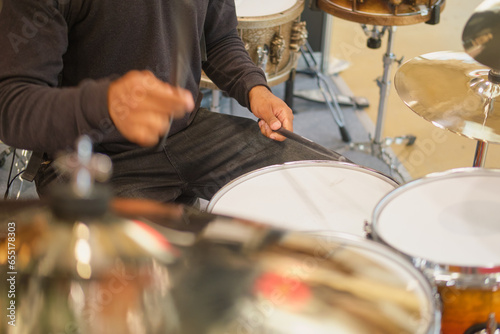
(141, 106)
(272, 112)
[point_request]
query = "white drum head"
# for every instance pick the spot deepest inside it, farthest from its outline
(254, 8)
(450, 218)
(305, 196)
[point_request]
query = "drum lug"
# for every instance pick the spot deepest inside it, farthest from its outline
(368, 230)
(299, 36)
(277, 49)
(263, 56)
(423, 10)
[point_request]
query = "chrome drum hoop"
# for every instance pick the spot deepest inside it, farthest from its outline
(450, 274)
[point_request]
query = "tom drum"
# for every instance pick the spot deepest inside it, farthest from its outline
(448, 224)
(383, 12)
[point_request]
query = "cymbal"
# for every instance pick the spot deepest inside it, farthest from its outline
(481, 35)
(452, 91)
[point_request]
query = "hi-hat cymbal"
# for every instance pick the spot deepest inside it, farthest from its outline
(481, 35)
(453, 91)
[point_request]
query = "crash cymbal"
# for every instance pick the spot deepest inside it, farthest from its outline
(481, 35)
(454, 92)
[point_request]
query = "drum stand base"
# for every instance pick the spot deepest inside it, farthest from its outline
(378, 146)
(325, 91)
(383, 152)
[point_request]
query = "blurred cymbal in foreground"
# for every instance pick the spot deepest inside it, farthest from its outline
(454, 92)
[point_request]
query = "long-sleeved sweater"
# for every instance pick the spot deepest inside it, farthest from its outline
(58, 57)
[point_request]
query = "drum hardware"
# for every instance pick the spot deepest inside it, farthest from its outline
(18, 165)
(263, 56)
(299, 36)
(4, 154)
(377, 146)
(329, 96)
(277, 50)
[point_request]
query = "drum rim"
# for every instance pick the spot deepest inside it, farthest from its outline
(440, 272)
(382, 19)
(294, 164)
(395, 258)
(272, 79)
(266, 21)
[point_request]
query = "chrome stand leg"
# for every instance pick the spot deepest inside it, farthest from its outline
(4, 154)
(480, 155)
(377, 145)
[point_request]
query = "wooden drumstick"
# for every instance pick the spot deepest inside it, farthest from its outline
(311, 145)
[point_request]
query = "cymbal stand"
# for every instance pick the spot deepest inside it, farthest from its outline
(19, 163)
(325, 89)
(4, 154)
(377, 145)
(480, 154)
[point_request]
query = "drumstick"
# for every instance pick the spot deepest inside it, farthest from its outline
(311, 145)
(180, 67)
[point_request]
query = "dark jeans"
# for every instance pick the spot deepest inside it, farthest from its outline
(198, 161)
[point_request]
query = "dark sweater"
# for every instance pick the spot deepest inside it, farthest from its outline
(57, 59)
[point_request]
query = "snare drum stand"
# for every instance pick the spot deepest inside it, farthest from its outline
(377, 146)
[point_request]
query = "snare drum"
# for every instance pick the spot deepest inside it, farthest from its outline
(272, 33)
(305, 196)
(382, 12)
(449, 225)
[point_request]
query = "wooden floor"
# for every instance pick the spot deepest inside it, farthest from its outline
(435, 149)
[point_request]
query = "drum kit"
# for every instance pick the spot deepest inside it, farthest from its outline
(338, 249)
(352, 252)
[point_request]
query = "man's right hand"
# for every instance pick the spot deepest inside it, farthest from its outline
(141, 106)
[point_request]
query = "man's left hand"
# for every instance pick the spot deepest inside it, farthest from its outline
(273, 113)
